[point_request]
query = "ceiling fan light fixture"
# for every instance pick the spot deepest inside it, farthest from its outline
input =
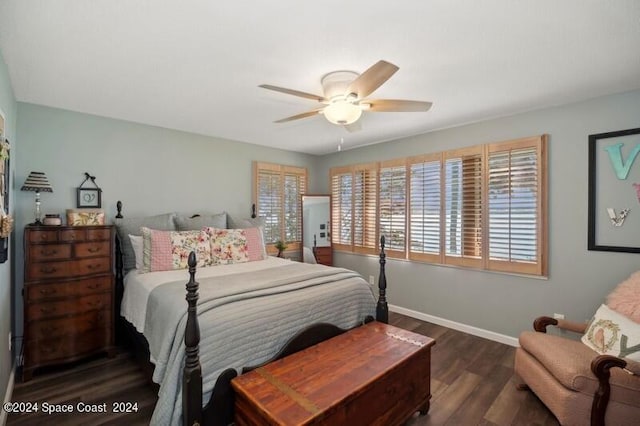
(342, 112)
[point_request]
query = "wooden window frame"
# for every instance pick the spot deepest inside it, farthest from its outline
(282, 170)
(476, 225)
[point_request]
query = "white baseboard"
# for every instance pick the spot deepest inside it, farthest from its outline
(480, 332)
(7, 396)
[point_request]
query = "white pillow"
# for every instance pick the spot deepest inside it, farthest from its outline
(137, 244)
(611, 333)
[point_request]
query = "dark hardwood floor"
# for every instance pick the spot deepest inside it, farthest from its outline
(471, 384)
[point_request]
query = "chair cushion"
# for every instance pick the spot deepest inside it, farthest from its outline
(569, 361)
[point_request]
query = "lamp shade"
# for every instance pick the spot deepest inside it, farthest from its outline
(37, 181)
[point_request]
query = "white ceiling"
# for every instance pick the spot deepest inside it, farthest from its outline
(196, 65)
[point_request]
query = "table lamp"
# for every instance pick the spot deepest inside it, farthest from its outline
(38, 182)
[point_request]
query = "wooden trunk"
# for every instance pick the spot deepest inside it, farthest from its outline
(374, 374)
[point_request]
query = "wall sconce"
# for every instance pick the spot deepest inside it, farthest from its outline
(38, 182)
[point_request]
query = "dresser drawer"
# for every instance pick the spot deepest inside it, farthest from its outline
(38, 271)
(98, 234)
(90, 266)
(35, 292)
(43, 236)
(98, 248)
(324, 255)
(70, 235)
(40, 310)
(64, 347)
(46, 329)
(69, 268)
(40, 252)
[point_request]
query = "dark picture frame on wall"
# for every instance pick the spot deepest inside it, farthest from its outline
(614, 191)
(89, 198)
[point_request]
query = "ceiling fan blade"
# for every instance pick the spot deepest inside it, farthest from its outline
(353, 127)
(299, 116)
(293, 92)
(396, 105)
(372, 78)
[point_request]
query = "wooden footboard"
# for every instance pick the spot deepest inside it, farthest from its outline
(219, 409)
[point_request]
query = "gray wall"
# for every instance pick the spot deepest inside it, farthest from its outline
(152, 170)
(155, 170)
(506, 304)
(9, 107)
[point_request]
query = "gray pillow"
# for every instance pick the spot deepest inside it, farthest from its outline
(184, 223)
(126, 226)
(246, 223)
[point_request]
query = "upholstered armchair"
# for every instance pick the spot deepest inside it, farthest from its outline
(593, 380)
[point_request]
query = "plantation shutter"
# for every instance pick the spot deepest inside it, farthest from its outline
(365, 199)
(295, 184)
(515, 206)
(278, 191)
(341, 208)
(425, 207)
(269, 203)
(463, 177)
(393, 206)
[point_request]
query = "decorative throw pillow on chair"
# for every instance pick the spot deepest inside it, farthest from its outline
(611, 333)
(625, 298)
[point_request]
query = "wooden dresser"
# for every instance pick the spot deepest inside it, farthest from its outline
(375, 374)
(324, 255)
(68, 294)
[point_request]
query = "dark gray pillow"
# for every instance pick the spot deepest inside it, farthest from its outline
(246, 223)
(126, 226)
(184, 223)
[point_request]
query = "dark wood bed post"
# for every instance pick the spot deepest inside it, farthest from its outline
(382, 309)
(118, 247)
(192, 373)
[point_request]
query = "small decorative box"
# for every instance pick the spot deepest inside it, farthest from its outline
(52, 219)
(85, 217)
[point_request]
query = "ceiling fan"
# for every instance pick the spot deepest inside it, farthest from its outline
(345, 93)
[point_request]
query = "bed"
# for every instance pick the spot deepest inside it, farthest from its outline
(238, 316)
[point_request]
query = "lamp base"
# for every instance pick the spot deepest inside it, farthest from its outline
(36, 223)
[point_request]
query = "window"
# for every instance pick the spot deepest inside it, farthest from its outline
(516, 206)
(393, 206)
(354, 208)
(479, 207)
(463, 207)
(425, 207)
(277, 198)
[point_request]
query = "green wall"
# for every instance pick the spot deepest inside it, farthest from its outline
(9, 109)
(150, 169)
(501, 303)
(155, 170)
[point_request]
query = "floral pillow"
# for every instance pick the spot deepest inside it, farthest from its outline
(610, 333)
(167, 250)
(236, 245)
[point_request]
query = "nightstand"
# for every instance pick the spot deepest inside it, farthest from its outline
(68, 294)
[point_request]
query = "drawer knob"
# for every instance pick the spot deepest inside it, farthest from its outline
(48, 252)
(44, 236)
(47, 310)
(94, 249)
(47, 291)
(48, 270)
(93, 266)
(94, 303)
(93, 286)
